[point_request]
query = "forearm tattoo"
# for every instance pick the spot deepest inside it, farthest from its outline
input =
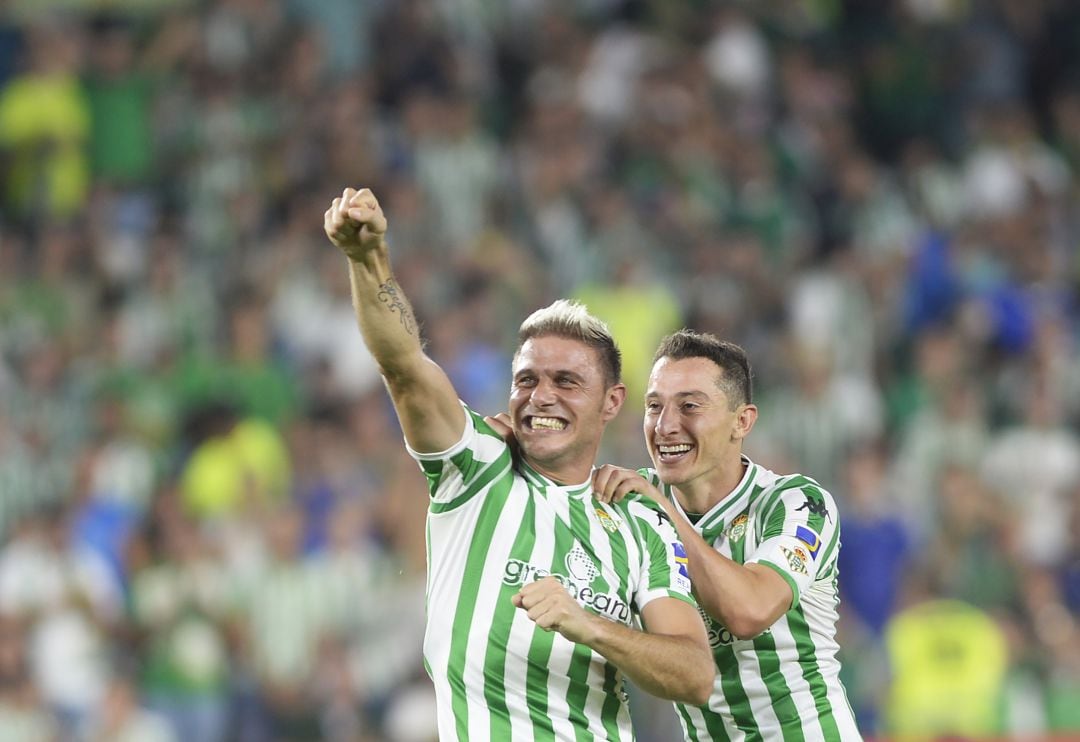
(389, 295)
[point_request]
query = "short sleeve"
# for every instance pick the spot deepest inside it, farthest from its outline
(665, 572)
(799, 536)
(461, 471)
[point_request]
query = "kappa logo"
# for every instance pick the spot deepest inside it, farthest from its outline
(816, 506)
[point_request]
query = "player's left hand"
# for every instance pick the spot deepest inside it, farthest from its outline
(501, 424)
(552, 608)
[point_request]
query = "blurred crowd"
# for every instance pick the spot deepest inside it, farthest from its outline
(209, 528)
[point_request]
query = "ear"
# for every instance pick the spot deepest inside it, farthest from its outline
(745, 417)
(613, 402)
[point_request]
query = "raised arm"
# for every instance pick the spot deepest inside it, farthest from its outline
(427, 405)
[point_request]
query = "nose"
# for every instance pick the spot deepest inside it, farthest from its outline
(543, 394)
(667, 421)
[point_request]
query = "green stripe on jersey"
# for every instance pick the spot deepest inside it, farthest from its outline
(495, 682)
(497, 468)
(812, 673)
(833, 545)
(610, 712)
(815, 520)
(731, 684)
(784, 708)
(466, 605)
(432, 473)
(578, 672)
(536, 684)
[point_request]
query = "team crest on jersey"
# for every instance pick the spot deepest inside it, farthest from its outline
(610, 524)
(738, 527)
(580, 565)
(796, 559)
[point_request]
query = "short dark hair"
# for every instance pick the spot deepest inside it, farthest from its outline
(569, 319)
(735, 378)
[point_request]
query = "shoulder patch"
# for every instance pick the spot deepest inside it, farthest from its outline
(795, 559)
(811, 539)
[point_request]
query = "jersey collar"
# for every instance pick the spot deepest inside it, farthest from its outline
(732, 503)
(536, 479)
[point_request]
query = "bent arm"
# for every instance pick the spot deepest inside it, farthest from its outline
(747, 599)
(427, 405)
(671, 659)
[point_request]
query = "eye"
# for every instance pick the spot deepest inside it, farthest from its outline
(653, 407)
(689, 406)
(525, 381)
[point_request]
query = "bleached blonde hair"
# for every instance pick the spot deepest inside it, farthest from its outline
(570, 319)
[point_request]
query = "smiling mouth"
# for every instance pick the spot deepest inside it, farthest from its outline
(535, 422)
(670, 453)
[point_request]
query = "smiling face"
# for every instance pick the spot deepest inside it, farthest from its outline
(560, 404)
(693, 434)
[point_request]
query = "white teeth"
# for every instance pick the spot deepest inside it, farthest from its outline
(551, 423)
(681, 448)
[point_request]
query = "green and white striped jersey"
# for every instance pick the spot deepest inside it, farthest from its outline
(785, 683)
(494, 525)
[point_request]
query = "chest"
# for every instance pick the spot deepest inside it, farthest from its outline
(735, 536)
(590, 549)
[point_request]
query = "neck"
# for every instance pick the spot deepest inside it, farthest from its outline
(563, 473)
(702, 494)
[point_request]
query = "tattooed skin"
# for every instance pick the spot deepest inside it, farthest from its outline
(388, 295)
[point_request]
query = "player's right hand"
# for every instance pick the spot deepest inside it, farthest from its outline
(355, 223)
(550, 606)
(612, 483)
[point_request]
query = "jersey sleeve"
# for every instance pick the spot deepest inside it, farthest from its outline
(800, 535)
(457, 474)
(664, 570)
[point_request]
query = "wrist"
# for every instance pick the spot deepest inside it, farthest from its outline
(366, 255)
(595, 630)
(373, 262)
